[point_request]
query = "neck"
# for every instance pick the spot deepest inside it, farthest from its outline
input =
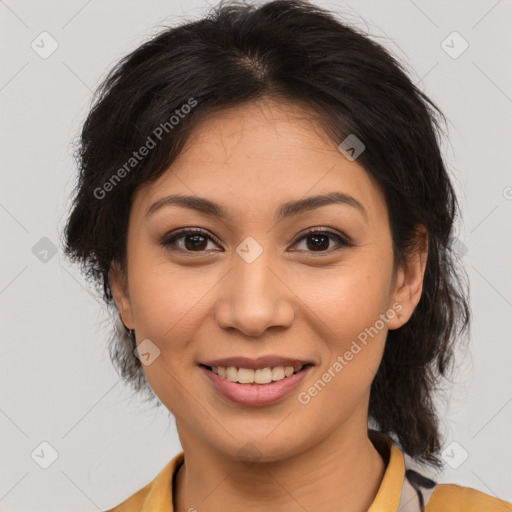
(344, 470)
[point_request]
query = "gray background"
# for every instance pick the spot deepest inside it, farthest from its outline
(57, 383)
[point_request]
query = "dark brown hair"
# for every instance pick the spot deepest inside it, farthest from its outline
(296, 52)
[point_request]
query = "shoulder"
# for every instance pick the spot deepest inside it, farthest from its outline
(157, 494)
(455, 498)
(431, 496)
(134, 502)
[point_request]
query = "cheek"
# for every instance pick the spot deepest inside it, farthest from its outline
(349, 298)
(162, 293)
(351, 336)
(167, 310)
(349, 305)
(169, 305)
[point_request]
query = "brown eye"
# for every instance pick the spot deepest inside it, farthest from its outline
(319, 241)
(194, 240)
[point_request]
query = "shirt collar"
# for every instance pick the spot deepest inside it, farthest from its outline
(390, 490)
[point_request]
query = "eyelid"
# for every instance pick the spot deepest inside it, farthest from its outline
(168, 238)
(343, 240)
(185, 231)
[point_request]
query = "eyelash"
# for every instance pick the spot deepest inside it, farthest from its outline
(168, 240)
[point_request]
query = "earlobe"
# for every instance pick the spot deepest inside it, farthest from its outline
(118, 285)
(409, 282)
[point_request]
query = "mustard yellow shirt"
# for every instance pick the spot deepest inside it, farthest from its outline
(403, 489)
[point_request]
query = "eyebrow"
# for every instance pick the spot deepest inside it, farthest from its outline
(286, 210)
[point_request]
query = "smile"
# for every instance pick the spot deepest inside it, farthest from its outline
(260, 376)
(259, 387)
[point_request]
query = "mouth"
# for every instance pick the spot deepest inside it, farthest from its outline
(260, 376)
(260, 387)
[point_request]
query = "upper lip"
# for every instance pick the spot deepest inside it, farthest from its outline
(269, 361)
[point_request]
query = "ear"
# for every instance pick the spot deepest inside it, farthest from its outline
(408, 283)
(119, 287)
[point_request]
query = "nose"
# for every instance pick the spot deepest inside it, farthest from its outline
(255, 296)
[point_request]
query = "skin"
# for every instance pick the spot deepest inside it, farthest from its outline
(293, 300)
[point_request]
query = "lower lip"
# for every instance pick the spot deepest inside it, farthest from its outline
(256, 394)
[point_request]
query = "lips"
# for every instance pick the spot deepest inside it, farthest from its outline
(256, 395)
(269, 361)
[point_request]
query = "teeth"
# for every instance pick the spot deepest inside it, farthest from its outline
(260, 376)
(278, 373)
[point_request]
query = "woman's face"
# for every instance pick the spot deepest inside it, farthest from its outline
(254, 283)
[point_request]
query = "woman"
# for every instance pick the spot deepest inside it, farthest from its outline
(263, 202)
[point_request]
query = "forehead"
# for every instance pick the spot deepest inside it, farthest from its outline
(256, 156)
